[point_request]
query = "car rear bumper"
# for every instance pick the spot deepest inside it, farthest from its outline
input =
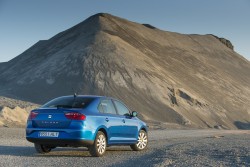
(61, 142)
(66, 137)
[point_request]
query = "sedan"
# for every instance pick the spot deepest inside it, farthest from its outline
(95, 122)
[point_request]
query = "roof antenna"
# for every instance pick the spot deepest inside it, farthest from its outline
(75, 92)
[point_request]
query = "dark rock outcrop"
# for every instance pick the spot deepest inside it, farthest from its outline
(225, 42)
(149, 26)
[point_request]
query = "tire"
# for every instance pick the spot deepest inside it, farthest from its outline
(142, 141)
(100, 144)
(42, 149)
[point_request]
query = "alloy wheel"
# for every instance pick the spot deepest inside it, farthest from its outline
(142, 140)
(101, 144)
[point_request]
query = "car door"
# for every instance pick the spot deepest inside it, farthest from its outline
(130, 124)
(111, 119)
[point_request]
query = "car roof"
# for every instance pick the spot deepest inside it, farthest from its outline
(92, 96)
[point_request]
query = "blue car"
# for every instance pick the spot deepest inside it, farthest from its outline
(95, 122)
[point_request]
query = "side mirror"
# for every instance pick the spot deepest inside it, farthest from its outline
(134, 114)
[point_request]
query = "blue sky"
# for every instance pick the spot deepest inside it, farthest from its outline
(24, 22)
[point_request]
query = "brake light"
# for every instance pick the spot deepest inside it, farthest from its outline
(75, 116)
(33, 115)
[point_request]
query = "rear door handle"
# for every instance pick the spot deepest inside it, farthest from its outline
(107, 119)
(123, 120)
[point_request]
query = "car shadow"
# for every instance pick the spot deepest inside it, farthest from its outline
(31, 152)
(16, 150)
(28, 151)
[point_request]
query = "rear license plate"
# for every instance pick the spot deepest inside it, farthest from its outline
(48, 134)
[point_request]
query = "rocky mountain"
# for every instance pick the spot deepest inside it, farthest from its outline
(192, 80)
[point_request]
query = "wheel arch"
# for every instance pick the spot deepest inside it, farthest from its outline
(104, 130)
(144, 128)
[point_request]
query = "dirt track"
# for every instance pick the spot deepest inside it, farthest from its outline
(166, 148)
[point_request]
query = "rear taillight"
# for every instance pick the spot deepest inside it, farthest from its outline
(75, 116)
(33, 115)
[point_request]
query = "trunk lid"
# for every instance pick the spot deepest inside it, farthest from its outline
(52, 118)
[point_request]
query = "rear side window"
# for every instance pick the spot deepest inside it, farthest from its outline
(121, 108)
(106, 106)
(69, 102)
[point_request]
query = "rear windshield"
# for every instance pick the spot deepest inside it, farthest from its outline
(69, 102)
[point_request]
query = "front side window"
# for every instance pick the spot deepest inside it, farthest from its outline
(121, 108)
(106, 106)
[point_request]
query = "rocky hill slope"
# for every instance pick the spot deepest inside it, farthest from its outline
(14, 113)
(192, 80)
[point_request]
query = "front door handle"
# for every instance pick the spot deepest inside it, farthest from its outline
(123, 120)
(107, 119)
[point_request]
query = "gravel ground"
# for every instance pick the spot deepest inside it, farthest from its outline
(166, 148)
